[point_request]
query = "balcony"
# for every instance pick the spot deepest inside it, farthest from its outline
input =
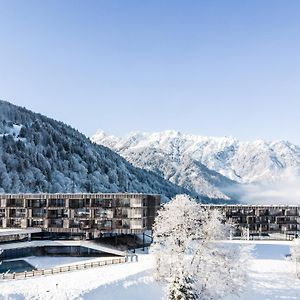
(102, 225)
(37, 223)
(121, 216)
(39, 215)
(14, 222)
(282, 222)
(83, 213)
(85, 226)
(291, 214)
(55, 223)
(55, 216)
(17, 215)
(105, 203)
(77, 203)
(38, 204)
(15, 203)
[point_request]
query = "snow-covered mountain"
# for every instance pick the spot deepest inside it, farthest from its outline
(39, 154)
(165, 156)
(210, 166)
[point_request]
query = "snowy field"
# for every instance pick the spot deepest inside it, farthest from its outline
(271, 276)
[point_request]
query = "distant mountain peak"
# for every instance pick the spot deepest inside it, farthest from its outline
(223, 158)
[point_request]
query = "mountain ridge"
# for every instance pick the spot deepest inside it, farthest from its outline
(235, 163)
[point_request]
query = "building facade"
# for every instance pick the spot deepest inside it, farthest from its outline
(94, 215)
(91, 215)
(263, 218)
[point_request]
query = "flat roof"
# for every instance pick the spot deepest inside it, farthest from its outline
(72, 195)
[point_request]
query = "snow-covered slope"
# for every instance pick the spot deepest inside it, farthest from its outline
(207, 165)
(167, 156)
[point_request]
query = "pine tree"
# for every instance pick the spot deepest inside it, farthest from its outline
(181, 287)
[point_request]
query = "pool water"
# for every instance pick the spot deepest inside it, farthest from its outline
(15, 266)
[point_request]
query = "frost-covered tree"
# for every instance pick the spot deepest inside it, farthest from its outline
(173, 232)
(190, 256)
(295, 253)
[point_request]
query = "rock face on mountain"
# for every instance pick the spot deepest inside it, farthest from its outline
(39, 154)
(210, 166)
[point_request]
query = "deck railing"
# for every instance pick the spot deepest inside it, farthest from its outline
(68, 268)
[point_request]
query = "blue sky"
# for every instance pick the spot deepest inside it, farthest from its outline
(204, 67)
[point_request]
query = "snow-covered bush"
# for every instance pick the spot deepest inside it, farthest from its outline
(190, 256)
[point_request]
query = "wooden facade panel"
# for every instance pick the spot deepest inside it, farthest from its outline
(83, 213)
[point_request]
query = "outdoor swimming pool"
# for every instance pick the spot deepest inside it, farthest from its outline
(15, 266)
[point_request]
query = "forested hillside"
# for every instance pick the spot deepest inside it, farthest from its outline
(39, 154)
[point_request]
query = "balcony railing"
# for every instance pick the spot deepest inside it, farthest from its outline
(136, 227)
(17, 215)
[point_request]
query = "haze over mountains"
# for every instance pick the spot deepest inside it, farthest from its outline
(39, 154)
(216, 167)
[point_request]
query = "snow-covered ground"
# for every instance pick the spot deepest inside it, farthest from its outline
(45, 262)
(271, 276)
